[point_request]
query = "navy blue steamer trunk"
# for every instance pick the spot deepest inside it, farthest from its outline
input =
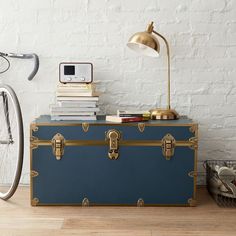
(104, 163)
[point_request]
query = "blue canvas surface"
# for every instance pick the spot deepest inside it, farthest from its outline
(87, 172)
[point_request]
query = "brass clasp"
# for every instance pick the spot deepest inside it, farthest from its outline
(58, 145)
(168, 146)
(113, 136)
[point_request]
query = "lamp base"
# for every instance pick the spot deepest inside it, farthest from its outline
(164, 114)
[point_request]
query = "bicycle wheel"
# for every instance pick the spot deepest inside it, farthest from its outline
(11, 142)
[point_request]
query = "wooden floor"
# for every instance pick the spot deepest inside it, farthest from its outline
(17, 217)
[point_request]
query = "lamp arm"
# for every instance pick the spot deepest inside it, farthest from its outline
(168, 64)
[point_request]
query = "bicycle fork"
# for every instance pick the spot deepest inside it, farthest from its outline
(7, 120)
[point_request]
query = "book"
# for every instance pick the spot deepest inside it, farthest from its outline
(72, 113)
(71, 98)
(77, 104)
(74, 90)
(73, 109)
(71, 118)
(133, 113)
(118, 119)
(76, 86)
(80, 94)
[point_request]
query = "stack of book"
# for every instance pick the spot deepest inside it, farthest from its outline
(75, 102)
(129, 116)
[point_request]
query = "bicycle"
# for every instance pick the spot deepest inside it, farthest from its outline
(11, 129)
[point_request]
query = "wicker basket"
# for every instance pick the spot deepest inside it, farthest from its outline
(219, 187)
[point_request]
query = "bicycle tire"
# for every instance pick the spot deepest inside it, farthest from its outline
(20, 152)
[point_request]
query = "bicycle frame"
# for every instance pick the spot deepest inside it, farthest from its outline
(14, 139)
(25, 56)
(6, 113)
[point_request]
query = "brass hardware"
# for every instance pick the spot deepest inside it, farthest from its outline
(192, 174)
(194, 143)
(34, 127)
(85, 126)
(33, 142)
(168, 146)
(85, 202)
(34, 173)
(33, 146)
(192, 202)
(140, 202)
(33, 139)
(58, 145)
(193, 128)
(113, 136)
(34, 201)
(141, 127)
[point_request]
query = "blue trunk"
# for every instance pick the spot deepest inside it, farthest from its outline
(141, 170)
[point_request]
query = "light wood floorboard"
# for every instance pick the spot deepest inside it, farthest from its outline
(18, 218)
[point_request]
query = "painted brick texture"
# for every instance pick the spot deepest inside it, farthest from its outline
(202, 36)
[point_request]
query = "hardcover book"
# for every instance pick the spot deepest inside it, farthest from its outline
(125, 119)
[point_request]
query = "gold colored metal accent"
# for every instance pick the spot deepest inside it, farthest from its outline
(168, 146)
(113, 136)
(85, 126)
(34, 127)
(194, 143)
(192, 202)
(34, 173)
(85, 202)
(132, 143)
(33, 142)
(140, 202)
(164, 114)
(34, 201)
(141, 127)
(58, 145)
(193, 128)
(146, 40)
(33, 139)
(192, 174)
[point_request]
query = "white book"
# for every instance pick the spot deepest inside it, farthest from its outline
(72, 113)
(78, 85)
(77, 104)
(71, 118)
(120, 112)
(74, 109)
(63, 98)
(75, 90)
(80, 94)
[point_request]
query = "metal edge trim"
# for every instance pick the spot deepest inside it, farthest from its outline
(121, 143)
(112, 124)
(195, 171)
(117, 205)
(31, 167)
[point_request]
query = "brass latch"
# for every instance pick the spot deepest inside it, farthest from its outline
(58, 145)
(168, 146)
(113, 136)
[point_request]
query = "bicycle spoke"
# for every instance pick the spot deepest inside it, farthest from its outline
(11, 143)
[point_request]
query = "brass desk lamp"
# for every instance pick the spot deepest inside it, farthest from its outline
(147, 44)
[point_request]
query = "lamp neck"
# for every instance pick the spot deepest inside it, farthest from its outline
(150, 28)
(168, 65)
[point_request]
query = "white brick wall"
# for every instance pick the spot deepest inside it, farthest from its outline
(202, 35)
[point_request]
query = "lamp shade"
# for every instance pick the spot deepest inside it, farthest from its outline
(144, 43)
